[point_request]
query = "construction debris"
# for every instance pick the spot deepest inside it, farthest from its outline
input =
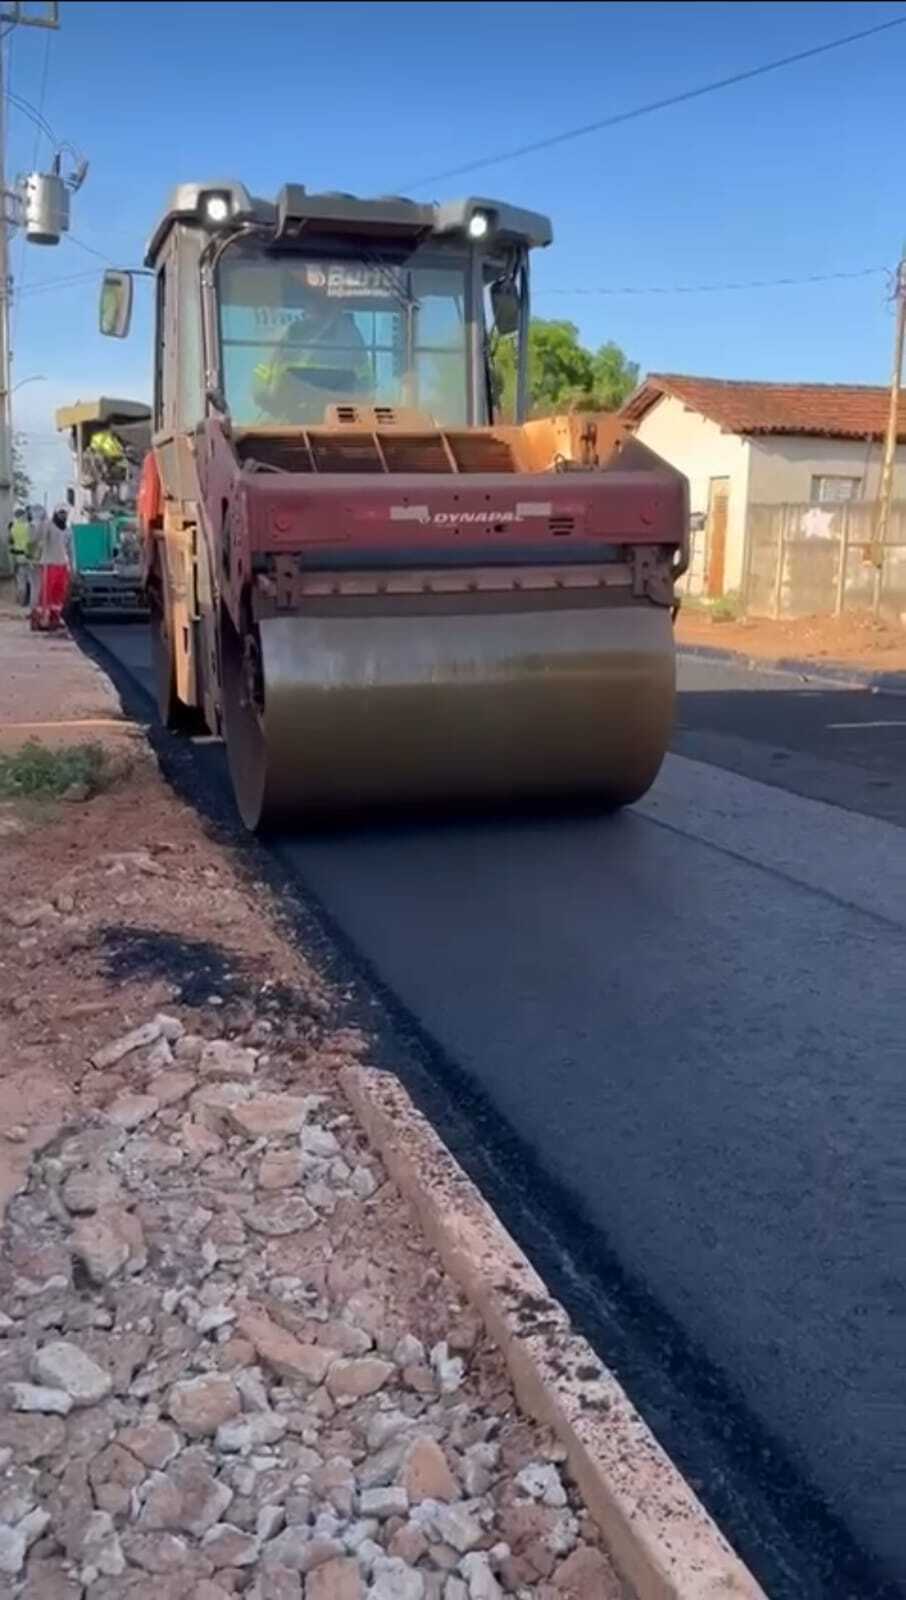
(229, 1362)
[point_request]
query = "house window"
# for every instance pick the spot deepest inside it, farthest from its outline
(835, 487)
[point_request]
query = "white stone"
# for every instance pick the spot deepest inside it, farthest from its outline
(384, 1502)
(327, 1525)
(449, 1370)
(387, 1425)
(12, 1550)
(223, 1059)
(476, 1569)
(171, 1028)
(89, 1188)
(36, 1523)
(216, 1317)
(383, 1467)
(322, 1197)
(564, 1534)
(34, 1397)
(478, 1468)
(269, 1522)
(455, 1589)
(392, 1579)
(357, 1532)
(363, 1182)
(409, 1351)
(319, 1142)
(250, 1432)
(280, 1214)
(111, 1053)
(189, 1047)
(253, 1390)
(541, 1481)
(159, 1057)
(367, 1553)
(129, 1110)
(65, 1366)
(229, 1546)
(297, 1549)
(100, 1546)
(456, 1525)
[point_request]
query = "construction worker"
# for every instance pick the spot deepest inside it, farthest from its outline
(104, 465)
(321, 358)
(53, 573)
(20, 551)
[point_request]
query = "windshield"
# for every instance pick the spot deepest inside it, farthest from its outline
(302, 332)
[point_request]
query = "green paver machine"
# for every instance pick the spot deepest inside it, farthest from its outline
(109, 440)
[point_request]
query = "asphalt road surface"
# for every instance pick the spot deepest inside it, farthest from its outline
(688, 1022)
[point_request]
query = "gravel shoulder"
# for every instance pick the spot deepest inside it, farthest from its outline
(230, 1362)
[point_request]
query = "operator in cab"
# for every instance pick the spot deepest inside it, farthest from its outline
(319, 360)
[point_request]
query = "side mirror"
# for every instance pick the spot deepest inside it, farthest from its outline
(505, 303)
(116, 304)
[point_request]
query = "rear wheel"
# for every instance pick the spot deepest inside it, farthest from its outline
(173, 713)
(243, 720)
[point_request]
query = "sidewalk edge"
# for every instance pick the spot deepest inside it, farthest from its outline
(838, 675)
(659, 1534)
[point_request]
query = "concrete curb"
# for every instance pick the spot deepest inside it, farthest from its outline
(658, 1533)
(817, 672)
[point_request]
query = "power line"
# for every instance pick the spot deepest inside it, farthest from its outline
(41, 126)
(42, 95)
(58, 283)
(650, 106)
(717, 288)
(34, 115)
(89, 248)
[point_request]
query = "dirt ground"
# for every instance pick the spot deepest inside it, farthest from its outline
(854, 641)
(229, 1362)
(41, 696)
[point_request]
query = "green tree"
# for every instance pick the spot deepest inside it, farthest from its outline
(21, 480)
(562, 374)
(614, 377)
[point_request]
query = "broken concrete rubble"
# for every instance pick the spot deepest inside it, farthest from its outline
(275, 1392)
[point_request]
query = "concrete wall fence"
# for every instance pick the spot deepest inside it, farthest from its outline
(820, 560)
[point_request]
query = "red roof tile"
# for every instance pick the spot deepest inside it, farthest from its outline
(836, 410)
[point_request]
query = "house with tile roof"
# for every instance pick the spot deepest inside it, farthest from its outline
(746, 444)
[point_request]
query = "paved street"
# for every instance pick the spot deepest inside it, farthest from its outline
(842, 745)
(690, 1018)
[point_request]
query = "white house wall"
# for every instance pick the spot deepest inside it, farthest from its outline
(781, 468)
(699, 449)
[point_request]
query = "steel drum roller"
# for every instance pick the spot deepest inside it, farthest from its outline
(368, 711)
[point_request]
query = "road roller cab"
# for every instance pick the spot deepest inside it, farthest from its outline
(373, 585)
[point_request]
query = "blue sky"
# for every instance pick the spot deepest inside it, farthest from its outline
(795, 173)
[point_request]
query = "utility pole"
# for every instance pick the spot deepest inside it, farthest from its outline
(11, 16)
(885, 494)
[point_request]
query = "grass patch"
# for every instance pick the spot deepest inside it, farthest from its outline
(35, 771)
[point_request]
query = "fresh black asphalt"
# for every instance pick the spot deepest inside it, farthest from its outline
(693, 1069)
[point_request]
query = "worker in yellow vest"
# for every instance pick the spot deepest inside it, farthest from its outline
(20, 546)
(320, 359)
